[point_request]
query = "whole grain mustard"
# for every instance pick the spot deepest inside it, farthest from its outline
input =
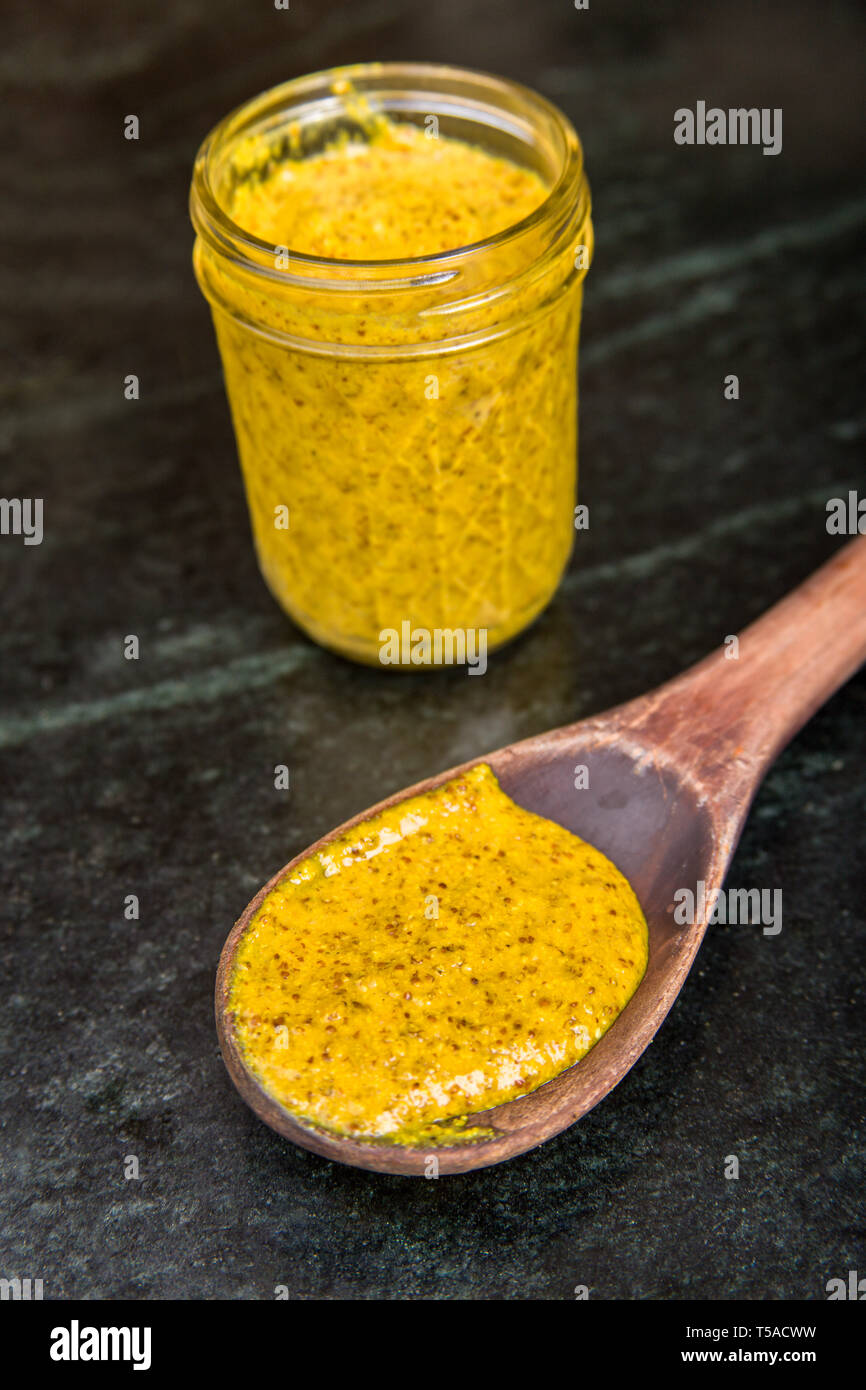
(396, 194)
(449, 954)
(408, 445)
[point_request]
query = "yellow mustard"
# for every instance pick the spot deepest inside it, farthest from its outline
(398, 193)
(406, 427)
(449, 954)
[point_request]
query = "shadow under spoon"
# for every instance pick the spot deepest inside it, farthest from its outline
(671, 778)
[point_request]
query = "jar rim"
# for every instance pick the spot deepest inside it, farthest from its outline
(214, 223)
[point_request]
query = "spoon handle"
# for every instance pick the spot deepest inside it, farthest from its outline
(731, 714)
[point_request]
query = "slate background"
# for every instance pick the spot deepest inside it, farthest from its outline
(156, 777)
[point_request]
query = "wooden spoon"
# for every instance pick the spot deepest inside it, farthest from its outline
(671, 779)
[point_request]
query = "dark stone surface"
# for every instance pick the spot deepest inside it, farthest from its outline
(156, 777)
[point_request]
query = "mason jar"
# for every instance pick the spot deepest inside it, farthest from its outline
(407, 429)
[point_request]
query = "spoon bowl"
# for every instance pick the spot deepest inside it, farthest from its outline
(669, 778)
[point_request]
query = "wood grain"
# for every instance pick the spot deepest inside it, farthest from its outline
(671, 777)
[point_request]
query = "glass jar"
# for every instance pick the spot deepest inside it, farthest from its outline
(406, 428)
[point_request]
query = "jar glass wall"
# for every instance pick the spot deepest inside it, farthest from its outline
(406, 429)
